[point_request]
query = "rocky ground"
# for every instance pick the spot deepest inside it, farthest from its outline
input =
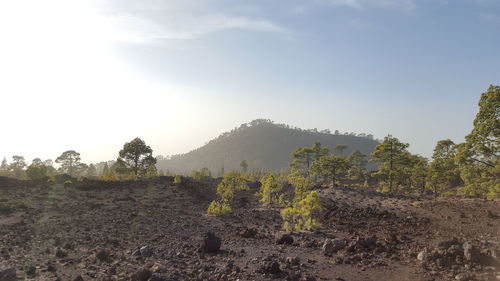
(156, 230)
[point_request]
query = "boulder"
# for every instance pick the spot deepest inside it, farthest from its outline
(292, 260)
(146, 251)
(270, 267)
(247, 232)
(102, 255)
(331, 246)
(211, 243)
(284, 238)
(141, 275)
(445, 244)
(423, 256)
(470, 252)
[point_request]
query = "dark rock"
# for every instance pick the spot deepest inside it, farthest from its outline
(157, 278)
(8, 275)
(141, 275)
(146, 251)
(270, 267)
(424, 256)
(445, 244)
(78, 278)
(470, 252)
(284, 238)
(292, 260)
(211, 243)
(61, 254)
(462, 277)
(247, 232)
(331, 246)
(102, 255)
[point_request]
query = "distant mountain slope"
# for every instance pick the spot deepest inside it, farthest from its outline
(263, 145)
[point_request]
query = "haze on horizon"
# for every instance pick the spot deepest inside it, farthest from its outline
(92, 75)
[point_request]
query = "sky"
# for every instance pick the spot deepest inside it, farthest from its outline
(92, 75)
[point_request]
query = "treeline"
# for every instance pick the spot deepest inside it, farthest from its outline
(135, 160)
(260, 122)
(263, 144)
(471, 168)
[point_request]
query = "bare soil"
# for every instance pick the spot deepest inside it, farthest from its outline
(153, 229)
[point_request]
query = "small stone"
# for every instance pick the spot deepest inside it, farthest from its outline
(211, 243)
(292, 260)
(462, 277)
(78, 278)
(271, 267)
(8, 275)
(331, 246)
(423, 256)
(284, 238)
(102, 255)
(141, 275)
(146, 251)
(61, 254)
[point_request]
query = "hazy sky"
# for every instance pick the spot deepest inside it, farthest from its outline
(92, 75)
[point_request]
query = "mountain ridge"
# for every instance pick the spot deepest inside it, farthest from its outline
(263, 144)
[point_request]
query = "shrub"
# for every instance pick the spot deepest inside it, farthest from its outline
(218, 208)
(415, 204)
(177, 179)
(62, 178)
(269, 186)
(68, 182)
(299, 216)
(226, 189)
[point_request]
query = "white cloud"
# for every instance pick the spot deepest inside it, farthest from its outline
(174, 19)
(129, 27)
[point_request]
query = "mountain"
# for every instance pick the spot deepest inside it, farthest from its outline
(263, 144)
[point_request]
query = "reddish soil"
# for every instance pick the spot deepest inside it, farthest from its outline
(94, 231)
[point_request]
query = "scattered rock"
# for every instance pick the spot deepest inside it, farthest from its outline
(8, 275)
(270, 267)
(284, 238)
(331, 246)
(462, 277)
(247, 232)
(102, 255)
(211, 243)
(146, 251)
(423, 256)
(61, 254)
(445, 244)
(470, 252)
(141, 275)
(292, 260)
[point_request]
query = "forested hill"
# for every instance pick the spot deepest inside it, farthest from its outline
(263, 145)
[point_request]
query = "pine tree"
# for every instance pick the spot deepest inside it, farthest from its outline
(391, 155)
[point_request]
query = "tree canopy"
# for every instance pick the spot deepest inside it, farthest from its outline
(137, 157)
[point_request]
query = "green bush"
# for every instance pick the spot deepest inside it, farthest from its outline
(231, 182)
(299, 216)
(177, 179)
(218, 208)
(268, 189)
(62, 178)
